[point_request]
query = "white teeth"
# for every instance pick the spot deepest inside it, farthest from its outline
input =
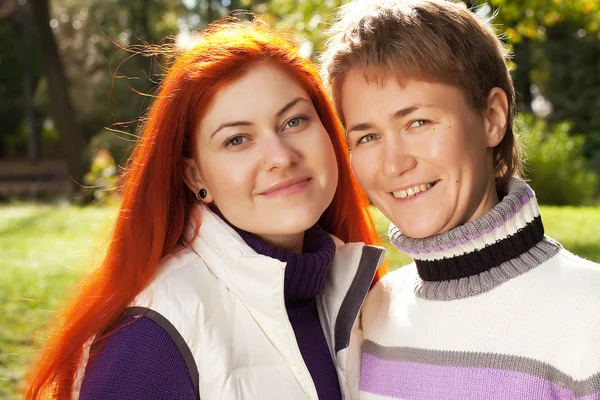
(403, 194)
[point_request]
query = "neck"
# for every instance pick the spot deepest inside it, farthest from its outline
(479, 255)
(306, 269)
(489, 200)
(292, 243)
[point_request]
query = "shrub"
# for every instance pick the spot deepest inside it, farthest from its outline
(102, 178)
(555, 163)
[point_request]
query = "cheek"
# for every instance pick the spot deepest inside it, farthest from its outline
(227, 179)
(322, 154)
(364, 170)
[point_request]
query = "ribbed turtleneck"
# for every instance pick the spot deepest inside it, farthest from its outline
(305, 272)
(305, 275)
(483, 253)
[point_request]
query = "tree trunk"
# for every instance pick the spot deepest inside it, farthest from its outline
(71, 139)
(23, 51)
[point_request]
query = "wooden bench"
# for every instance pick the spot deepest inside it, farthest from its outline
(21, 178)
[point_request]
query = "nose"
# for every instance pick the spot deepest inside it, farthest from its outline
(396, 157)
(278, 153)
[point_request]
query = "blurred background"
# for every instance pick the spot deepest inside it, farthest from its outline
(73, 91)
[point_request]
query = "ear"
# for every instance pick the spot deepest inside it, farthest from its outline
(193, 178)
(496, 117)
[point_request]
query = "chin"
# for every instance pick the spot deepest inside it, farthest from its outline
(295, 221)
(419, 228)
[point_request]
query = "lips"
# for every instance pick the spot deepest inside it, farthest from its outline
(286, 185)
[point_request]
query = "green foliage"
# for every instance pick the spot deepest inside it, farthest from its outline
(556, 47)
(531, 18)
(102, 178)
(573, 84)
(555, 163)
(308, 19)
(11, 85)
(119, 144)
(12, 103)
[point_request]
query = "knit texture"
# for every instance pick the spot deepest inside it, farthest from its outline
(489, 310)
(481, 254)
(138, 361)
(159, 369)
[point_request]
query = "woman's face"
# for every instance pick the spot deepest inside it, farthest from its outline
(422, 154)
(265, 158)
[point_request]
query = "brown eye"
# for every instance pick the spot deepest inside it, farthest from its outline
(418, 123)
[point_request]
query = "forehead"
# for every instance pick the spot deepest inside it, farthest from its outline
(260, 92)
(364, 93)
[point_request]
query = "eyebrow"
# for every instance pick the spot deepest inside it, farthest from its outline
(283, 110)
(397, 114)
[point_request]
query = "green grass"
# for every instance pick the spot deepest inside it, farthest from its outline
(42, 249)
(45, 249)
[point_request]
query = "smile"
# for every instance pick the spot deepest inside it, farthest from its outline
(413, 191)
(287, 187)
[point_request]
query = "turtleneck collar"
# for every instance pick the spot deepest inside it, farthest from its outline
(305, 272)
(483, 253)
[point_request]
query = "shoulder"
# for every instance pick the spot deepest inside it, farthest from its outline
(139, 359)
(398, 281)
(394, 289)
(575, 276)
(185, 293)
(183, 276)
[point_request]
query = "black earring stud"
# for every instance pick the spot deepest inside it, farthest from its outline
(202, 193)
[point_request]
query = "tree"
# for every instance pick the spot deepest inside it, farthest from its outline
(557, 48)
(71, 139)
(18, 78)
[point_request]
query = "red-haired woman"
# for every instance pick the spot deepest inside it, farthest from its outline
(227, 275)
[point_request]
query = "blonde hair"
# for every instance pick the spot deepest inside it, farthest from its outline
(429, 40)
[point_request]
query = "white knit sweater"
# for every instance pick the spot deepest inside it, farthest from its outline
(490, 310)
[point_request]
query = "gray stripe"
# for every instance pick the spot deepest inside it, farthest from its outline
(488, 280)
(177, 338)
(370, 260)
(517, 191)
(505, 362)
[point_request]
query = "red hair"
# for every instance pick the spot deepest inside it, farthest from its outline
(156, 203)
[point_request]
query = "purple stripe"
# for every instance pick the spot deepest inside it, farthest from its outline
(595, 396)
(463, 238)
(417, 381)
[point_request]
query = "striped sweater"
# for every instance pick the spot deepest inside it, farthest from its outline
(490, 310)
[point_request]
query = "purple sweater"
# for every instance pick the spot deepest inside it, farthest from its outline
(141, 360)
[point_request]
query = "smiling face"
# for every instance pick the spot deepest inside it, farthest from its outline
(421, 153)
(264, 157)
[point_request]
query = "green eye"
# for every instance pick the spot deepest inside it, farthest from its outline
(235, 141)
(295, 122)
(367, 138)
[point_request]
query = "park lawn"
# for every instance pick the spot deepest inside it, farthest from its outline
(44, 250)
